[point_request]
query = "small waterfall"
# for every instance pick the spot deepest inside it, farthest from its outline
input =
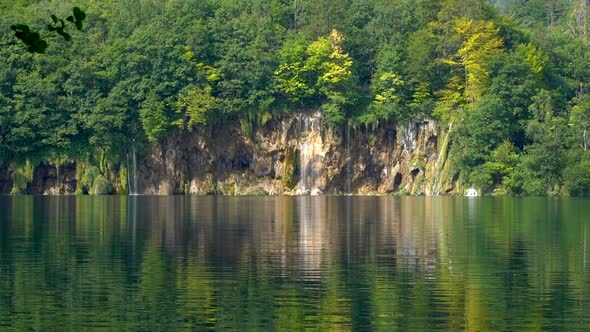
(348, 163)
(440, 163)
(135, 171)
(132, 170)
(304, 167)
(409, 135)
(58, 180)
(310, 156)
(304, 159)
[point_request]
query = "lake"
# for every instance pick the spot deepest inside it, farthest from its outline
(294, 263)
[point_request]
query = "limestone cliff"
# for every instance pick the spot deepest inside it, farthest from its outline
(295, 154)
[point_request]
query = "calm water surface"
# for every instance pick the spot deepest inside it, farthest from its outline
(294, 263)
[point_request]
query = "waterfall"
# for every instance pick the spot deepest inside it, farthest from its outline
(348, 163)
(311, 154)
(304, 158)
(304, 165)
(135, 191)
(58, 181)
(409, 135)
(132, 171)
(441, 163)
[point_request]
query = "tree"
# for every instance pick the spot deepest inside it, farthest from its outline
(576, 176)
(323, 73)
(480, 44)
(581, 20)
(497, 171)
(539, 13)
(546, 157)
(197, 104)
(153, 118)
(580, 119)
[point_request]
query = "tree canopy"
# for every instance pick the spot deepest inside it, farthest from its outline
(512, 76)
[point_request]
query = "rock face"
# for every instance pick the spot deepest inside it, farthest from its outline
(5, 181)
(48, 179)
(52, 180)
(295, 154)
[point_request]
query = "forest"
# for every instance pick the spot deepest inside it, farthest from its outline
(509, 80)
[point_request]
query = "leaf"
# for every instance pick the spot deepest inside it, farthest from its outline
(70, 18)
(79, 14)
(54, 18)
(22, 28)
(39, 46)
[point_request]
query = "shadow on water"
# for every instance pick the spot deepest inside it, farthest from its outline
(251, 263)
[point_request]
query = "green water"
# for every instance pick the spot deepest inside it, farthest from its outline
(294, 263)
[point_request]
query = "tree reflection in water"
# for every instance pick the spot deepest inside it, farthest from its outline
(411, 263)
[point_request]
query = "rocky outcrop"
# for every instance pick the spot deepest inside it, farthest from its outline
(5, 181)
(294, 154)
(47, 179)
(51, 179)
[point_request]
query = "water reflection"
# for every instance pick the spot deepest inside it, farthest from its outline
(421, 263)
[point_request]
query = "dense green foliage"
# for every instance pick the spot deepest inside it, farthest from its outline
(512, 76)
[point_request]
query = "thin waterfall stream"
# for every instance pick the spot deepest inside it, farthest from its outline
(132, 171)
(348, 163)
(440, 163)
(57, 177)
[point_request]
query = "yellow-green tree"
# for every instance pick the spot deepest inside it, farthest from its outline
(481, 42)
(321, 71)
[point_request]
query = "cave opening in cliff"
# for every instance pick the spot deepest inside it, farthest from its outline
(397, 181)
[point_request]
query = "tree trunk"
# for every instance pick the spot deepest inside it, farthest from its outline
(297, 9)
(585, 139)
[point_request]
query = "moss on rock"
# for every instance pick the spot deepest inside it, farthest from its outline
(101, 186)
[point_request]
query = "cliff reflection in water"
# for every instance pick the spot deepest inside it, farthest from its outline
(301, 235)
(416, 263)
